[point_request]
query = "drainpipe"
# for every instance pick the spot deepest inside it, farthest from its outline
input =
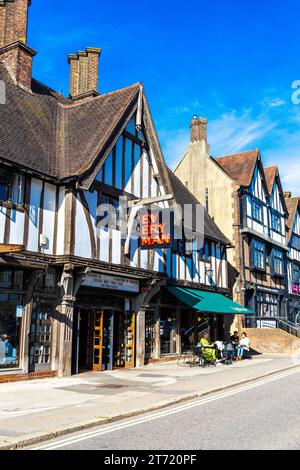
(241, 193)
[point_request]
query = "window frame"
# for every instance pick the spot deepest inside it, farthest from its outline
(255, 204)
(258, 249)
(277, 260)
(15, 188)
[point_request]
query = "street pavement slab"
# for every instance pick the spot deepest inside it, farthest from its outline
(38, 410)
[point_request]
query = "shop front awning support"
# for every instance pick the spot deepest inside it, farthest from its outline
(208, 302)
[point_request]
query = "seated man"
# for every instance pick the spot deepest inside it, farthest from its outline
(244, 345)
(209, 352)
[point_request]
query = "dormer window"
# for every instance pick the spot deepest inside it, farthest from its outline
(12, 187)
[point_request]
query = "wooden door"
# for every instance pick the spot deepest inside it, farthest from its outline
(98, 340)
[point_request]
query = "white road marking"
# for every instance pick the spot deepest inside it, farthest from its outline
(143, 419)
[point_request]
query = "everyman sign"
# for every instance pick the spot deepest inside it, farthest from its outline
(157, 229)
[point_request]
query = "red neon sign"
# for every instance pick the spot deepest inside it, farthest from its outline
(155, 232)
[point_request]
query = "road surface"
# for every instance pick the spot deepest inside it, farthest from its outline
(262, 415)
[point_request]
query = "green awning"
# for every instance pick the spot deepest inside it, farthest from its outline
(209, 302)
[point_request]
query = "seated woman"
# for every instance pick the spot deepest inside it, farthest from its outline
(209, 352)
(244, 345)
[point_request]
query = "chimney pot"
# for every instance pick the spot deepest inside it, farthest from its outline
(198, 128)
(287, 195)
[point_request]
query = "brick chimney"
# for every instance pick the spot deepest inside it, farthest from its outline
(84, 73)
(198, 128)
(14, 52)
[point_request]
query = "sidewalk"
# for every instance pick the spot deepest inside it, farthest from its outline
(36, 410)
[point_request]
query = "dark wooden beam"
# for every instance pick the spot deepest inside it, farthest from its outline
(6, 248)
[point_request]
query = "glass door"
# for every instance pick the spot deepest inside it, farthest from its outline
(107, 342)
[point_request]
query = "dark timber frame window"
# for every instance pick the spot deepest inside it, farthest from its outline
(296, 273)
(295, 242)
(257, 211)
(277, 264)
(276, 222)
(12, 187)
(258, 254)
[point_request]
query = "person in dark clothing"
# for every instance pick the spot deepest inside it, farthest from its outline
(235, 341)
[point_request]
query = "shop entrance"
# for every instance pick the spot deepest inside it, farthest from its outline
(103, 340)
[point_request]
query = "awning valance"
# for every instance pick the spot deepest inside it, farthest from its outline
(209, 302)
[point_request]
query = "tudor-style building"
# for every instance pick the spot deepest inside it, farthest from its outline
(293, 264)
(247, 202)
(78, 296)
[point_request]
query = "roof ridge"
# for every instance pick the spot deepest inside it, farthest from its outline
(79, 103)
(237, 153)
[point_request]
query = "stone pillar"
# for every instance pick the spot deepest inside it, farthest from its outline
(140, 338)
(24, 346)
(66, 310)
(156, 352)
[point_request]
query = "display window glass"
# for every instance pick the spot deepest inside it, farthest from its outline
(11, 312)
(168, 326)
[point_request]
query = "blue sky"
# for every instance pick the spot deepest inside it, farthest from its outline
(232, 62)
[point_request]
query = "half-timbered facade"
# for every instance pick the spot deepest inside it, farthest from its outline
(247, 202)
(293, 263)
(81, 293)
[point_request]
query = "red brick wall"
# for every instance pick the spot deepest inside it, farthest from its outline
(30, 376)
(272, 340)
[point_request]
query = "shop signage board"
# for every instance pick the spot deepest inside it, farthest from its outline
(19, 311)
(157, 229)
(104, 281)
(296, 289)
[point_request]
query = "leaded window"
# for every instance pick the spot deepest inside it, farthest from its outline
(276, 222)
(278, 265)
(12, 187)
(258, 211)
(259, 254)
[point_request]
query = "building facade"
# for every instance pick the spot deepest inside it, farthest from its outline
(77, 291)
(293, 263)
(247, 202)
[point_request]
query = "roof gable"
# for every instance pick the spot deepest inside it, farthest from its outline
(293, 205)
(183, 196)
(240, 166)
(272, 178)
(63, 138)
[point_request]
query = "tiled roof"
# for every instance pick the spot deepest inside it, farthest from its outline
(292, 204)
(240, 166)
(183, 196)
(63, 138)
(270, 174)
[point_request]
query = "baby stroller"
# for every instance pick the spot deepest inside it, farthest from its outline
(206, 355)
(223, 356)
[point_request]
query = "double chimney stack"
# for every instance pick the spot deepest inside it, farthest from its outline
(17, 55)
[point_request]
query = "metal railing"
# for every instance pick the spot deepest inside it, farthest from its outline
(283, 324)
(289, 327)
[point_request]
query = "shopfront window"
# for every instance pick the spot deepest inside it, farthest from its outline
(40, 333)
(267, 305)
(11, 312)
(168, 327)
